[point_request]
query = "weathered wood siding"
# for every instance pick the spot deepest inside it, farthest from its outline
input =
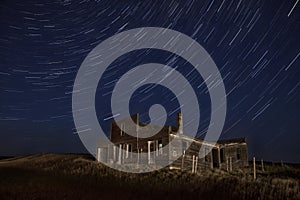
(238, 154)
(192, 155)
(122, 139)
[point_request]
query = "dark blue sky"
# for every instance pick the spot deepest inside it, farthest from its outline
(255, 45)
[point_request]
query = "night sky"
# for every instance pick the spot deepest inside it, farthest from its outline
(254, 43)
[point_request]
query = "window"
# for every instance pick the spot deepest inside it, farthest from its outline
(122, 131)
(174, 152)
(206, 155)
(206, 158)
(222, 155)
(184, 146)
(238, 153)
(160, 147)
(128, 150)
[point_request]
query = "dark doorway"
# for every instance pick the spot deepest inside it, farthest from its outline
(215, 155)
(152, 153)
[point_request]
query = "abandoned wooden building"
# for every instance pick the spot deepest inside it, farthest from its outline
(225, 154)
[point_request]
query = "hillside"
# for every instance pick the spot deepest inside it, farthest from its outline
(68, 176)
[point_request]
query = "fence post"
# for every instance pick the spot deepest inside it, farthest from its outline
(182, 161)
(262, 165)
(230, 164)
(254, 169)
(138, 157)
(196, 165)
(193, 164)
(227, 167)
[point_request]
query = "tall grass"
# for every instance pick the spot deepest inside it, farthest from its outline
(53, 176)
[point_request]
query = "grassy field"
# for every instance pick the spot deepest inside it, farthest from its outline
(61, 176)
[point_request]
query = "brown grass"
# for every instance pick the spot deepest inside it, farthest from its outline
(52, 176)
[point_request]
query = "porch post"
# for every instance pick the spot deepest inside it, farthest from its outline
(196, 165)
(193, 164)
(149, 153)
(120, 154)
(219, 158)
(211, 159)
(98, 154)
(127, 150)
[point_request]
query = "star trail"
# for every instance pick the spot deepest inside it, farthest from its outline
(254, 43)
